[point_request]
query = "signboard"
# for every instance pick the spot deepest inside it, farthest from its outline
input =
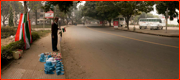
(116, 22)
(49, 14)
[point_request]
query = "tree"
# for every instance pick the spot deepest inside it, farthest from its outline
(78, 14)
(162, 6)
(90, 10)
(34, 6)
(63, 5)
(5, 11)
(107, 9)
(171, 6)
(17, 8)
(60, 14)
(129, 8)
(11, 17)
(71, 11)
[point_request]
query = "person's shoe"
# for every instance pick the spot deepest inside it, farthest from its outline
(56, 50)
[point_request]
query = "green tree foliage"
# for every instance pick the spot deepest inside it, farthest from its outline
(63, 5)
(78, 14)
(34, 6)
(60, 14)
(129, 8)
(71, 11)
(17, 8)
(4, 11)
(90, 10)
(107, 9)
(11, 17)
(162, 6)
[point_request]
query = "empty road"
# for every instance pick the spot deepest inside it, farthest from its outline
(96, 52)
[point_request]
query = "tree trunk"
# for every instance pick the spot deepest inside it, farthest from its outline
(166, 16)
(72, 21)
(67, 21)
(109, 23)
(3, 21)
(103, 23)
(14, 21)
(166, 24)
(25, 7)
(36, 16)
(127, 22)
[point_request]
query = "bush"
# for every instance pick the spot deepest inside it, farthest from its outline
(7, 50)
(7, 31)
(35, 36)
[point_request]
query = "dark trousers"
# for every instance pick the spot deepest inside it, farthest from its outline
(54, 42)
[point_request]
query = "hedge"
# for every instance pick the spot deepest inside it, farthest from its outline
(8, 49)
(7, 31)
(35, 36)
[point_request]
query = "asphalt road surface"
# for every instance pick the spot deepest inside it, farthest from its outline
(97, 52)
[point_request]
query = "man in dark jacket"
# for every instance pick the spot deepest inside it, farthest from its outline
(54, 30)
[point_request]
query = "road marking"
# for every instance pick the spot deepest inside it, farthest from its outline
(135, 39)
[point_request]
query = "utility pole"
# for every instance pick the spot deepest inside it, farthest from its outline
(166, 16)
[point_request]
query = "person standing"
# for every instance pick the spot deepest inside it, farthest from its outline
(54, 30)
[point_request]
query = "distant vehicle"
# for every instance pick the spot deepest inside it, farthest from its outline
(151, 23)
(121, 21)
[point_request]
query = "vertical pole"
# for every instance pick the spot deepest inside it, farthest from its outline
(166, 18)
(44, 21)
(134, 21)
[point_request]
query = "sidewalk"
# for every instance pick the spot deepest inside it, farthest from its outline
(171, 31)
(29, 67)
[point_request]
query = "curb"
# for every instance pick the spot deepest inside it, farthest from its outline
(175, 36)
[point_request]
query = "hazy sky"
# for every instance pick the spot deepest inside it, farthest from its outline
(154, 12)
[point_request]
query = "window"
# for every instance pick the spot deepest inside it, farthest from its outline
(146, 20)
(160, 21)
(121, 19)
